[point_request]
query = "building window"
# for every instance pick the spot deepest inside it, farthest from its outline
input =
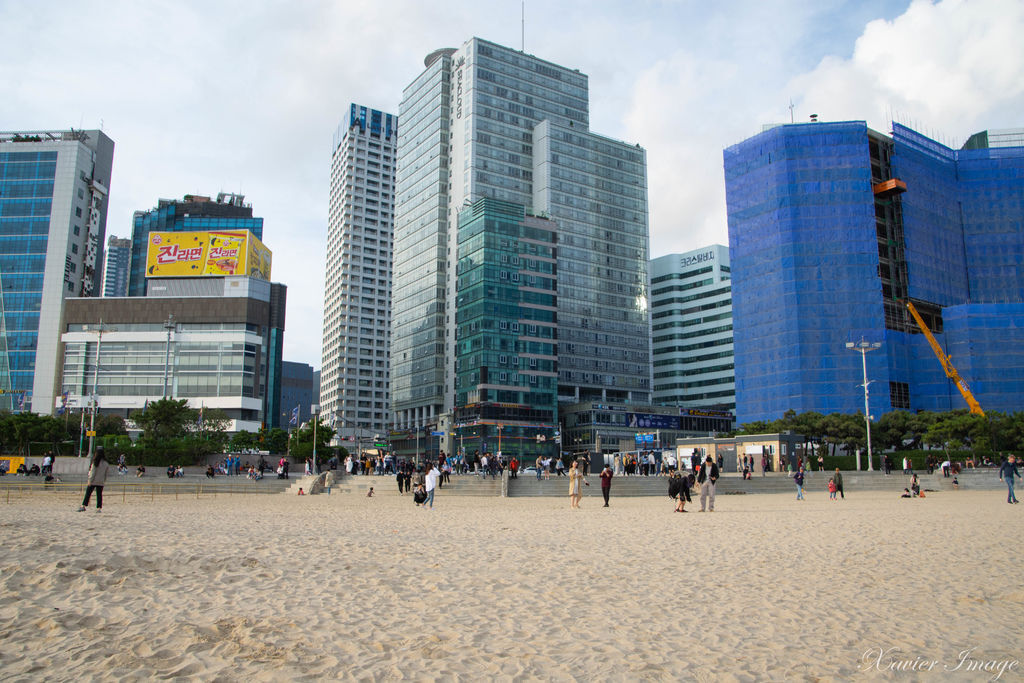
(899, 395)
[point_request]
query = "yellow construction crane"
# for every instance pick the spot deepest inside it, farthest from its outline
(947, 365)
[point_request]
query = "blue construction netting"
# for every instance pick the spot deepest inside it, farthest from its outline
(805, 270)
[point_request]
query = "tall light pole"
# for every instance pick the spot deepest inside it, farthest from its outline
(864, 347)
(95, 390)
(169, 326)
(315, 409)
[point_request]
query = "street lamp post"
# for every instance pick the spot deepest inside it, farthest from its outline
(95, 390)
(315, 409)
(169, 326)
(864, 347)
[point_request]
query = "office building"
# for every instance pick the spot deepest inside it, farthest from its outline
(116, 266)
(298, 382)
(357, 284)
(54, 189)
(691, 328)
(506, 380)
(215, 341)
(486, 121)
(833, 228)
(228, 212)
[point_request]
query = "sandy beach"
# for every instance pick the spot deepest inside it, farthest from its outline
(279, 587)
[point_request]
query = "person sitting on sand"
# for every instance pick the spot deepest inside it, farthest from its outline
(301, 492)
(906, 494)
(369, 494)
(956, 484)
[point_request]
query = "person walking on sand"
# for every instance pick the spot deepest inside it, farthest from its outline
(98, 469)
(707, 478)
(1007, 471)
(837, 479)
(799, 479)
(606, 483)
(575, 485)
(430, 479)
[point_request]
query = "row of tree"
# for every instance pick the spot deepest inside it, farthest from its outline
(903, 431)
(171, 433)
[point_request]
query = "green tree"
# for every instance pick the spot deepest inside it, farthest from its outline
(274, 440)
(110, 425)
(243, 440)
(164, 419)
(302, 440)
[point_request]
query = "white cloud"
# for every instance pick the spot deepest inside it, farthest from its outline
(951, 68)
(201, 97)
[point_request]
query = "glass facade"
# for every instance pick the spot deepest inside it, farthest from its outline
(53, 201)
(506, 327)
(418, 313)
(26, 193)
(191, 214)
(136, 368)
(832, 228)
(116, 267)
(486, 121)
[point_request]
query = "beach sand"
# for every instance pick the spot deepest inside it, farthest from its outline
(279, 587)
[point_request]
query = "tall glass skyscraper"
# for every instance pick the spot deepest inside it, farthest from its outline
(506, 385)
(189, 214)
(357, 287)
(116, 266)
(833, 227)
(485, 121)
(53, 214)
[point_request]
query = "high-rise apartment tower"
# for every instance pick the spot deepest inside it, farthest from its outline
(357, 286)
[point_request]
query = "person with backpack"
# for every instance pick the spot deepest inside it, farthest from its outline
(679, 490)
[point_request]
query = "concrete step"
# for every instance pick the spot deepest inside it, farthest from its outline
(385, 485)
(771, 483)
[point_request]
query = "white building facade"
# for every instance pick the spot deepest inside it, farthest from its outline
(357, 284)
(691, 322)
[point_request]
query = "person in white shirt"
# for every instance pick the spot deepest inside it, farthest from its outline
(431, 482)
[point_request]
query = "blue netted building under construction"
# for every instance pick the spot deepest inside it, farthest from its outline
(833, 227)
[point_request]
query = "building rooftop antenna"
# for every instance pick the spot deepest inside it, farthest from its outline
(791, 107)
(523, 30)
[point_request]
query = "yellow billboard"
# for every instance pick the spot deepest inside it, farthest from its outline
(207, 254)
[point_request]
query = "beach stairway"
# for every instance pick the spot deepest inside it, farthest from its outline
(730, 484)
(773, 482)
(313, 484)
(385, 485)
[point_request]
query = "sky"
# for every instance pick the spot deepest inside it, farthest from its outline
(245, 97)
